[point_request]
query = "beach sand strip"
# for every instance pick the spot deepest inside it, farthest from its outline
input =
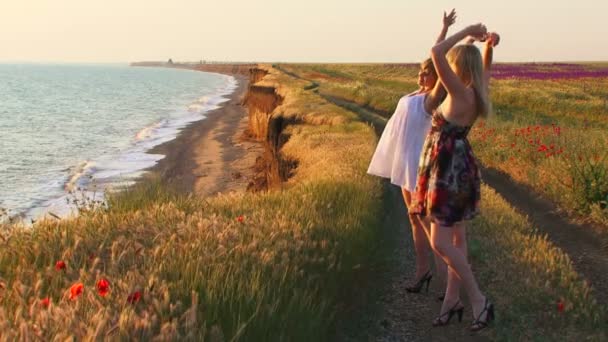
(213, 155)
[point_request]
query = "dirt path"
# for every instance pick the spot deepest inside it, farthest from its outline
(390, 313)
(399, 316)
(584, 246)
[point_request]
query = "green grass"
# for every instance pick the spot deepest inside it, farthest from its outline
(526, 276)
(275, 274)
(267, 266)
(575, 180)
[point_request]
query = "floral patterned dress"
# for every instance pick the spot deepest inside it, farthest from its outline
(448, 184)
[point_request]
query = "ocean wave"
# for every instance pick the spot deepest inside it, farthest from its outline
(78, 174)
(91, 179)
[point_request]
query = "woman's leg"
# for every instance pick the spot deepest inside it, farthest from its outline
(421, 241)
(442, 241)
(441, 268)
(452, 292)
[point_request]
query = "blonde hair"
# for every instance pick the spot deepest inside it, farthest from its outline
(428, 65)
(466, 62)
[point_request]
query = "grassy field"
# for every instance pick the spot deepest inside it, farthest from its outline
(548, 129)
(552, 302)
(268, 266)
(540, 295)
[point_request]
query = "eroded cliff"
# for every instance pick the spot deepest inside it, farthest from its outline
(267, 125)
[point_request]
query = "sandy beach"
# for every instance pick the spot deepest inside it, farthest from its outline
(213, 155)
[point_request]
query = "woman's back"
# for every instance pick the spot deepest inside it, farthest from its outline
(462, 110)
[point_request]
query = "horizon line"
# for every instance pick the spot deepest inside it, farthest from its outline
(273, 62)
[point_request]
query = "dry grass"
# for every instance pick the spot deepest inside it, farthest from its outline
(268, 266)
(576, 179)
(521, 270)
(246, 267)
(527, 277)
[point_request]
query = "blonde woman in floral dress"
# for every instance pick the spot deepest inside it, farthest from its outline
(448, 184)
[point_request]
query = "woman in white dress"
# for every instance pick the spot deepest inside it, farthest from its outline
(398, 152)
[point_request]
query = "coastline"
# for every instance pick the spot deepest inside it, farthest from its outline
(207, 156)
(213, 155)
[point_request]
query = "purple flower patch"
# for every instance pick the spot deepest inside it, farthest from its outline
(547, 71)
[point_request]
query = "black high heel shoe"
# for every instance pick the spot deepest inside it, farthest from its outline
(416, 288)
(478, 324)
(438, 322)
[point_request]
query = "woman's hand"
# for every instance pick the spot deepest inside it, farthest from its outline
(449, 19)
(492, 39)
(478, 32)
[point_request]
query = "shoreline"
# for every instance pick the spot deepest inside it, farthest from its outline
(213, 155)
(206, 157)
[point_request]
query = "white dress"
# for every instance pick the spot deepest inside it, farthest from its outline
(399, 147)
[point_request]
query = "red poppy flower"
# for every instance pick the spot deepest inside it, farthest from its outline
(60, 265)
(240, 218)
(134, 297)
(76, 290)
(45, 302)
(103, 287)
(560, 306)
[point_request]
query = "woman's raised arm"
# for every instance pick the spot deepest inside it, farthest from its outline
(488, 55)
(437, 94)
(447, 77)
(448, 20)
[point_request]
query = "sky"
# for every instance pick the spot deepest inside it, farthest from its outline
(92, 31)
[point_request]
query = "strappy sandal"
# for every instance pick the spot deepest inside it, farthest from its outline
(438, 322)
(417, 287)
(478, 324)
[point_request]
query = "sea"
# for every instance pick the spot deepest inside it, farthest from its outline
(73, 132)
